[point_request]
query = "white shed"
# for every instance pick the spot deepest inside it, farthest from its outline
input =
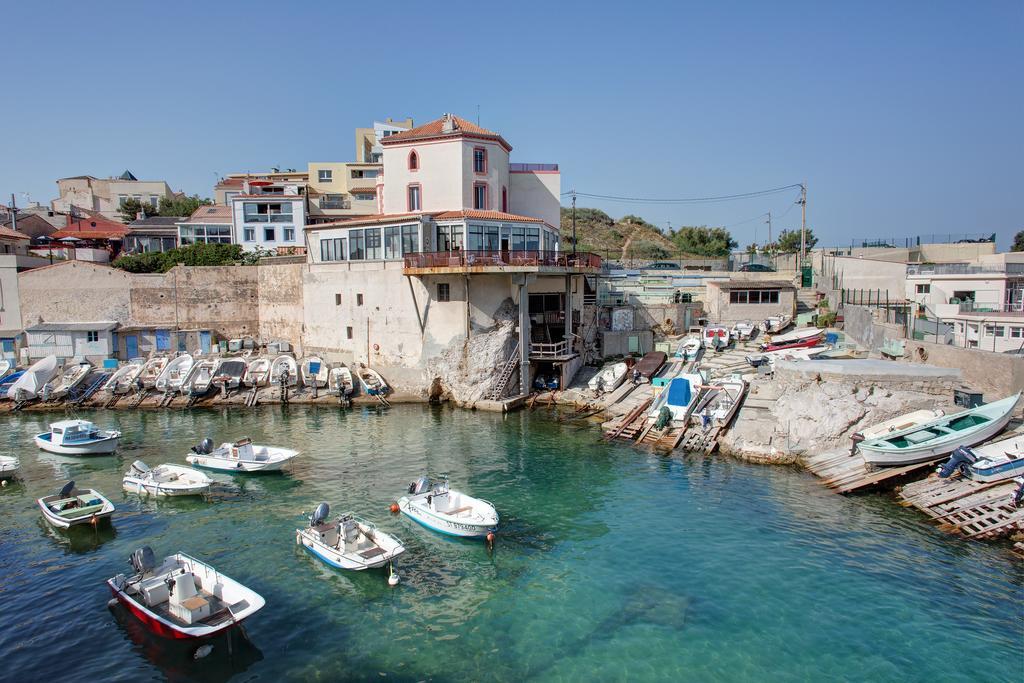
(90, 341)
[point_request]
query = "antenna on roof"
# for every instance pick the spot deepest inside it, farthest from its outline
(478, 114)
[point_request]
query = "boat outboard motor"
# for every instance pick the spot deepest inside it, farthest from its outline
(1019, 496)
(143, 560)
(68, 488)
(205, 447)
(319, 515)
(960, 460)
(140, 467)
(421, 485)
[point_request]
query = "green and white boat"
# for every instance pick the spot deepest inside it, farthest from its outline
(939, 437)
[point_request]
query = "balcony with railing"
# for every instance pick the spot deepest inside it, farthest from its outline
(501, 261)
(335, 203)
(926, 269)
(554, 351)
(532, 168)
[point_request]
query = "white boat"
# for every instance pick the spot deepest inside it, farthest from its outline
(229, 373)
(743, 330)
(347, 543)
(373, 384)
(123, 379)
(165, 480)
(200, 379)
(70, 377)
(33, 380)
(258, 372)
(717, 406)
(314, 372)
(801, 334)
(679, 396)
(690, 345)
(78, 437)
(609, 378)
(435, 506)
(932, 440)
(5, 367)
(9, 466)
(992, 462)
(770, 357)
(774, 324)
(74, 506)
(339, 381)
(901, 422)
(183, 597)
(151, 371)
(241, 456)
(174, 374)
(717, 337)
(284, 366)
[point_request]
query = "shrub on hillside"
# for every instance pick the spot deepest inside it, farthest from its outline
(192, 255)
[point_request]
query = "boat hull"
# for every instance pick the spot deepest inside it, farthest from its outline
(442, 523)
(162, 490)
(333, 558)
(932, 451)
(104, 446)
(65, 523)
(226, 465)
(151, 621)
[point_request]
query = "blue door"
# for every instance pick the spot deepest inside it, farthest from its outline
(204, 341)
(131, 346)
(163, 340)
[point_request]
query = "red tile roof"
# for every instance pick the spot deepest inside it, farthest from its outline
(92, 227)
(368, 220)
(362, 190)
(210, 214)
(471, 214)
(90, 234)
(8, 234)
(486, 216)
(435, 130)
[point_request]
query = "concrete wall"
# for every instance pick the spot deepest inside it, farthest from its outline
(224, 300)
(536, 193)
(75, 291)
(865, 273)
(996, 374)
(280, 303)
(861, 324)
(10, 300)
(719, 309)
(617, 343)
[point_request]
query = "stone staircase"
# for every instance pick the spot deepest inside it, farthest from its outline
(806, 300)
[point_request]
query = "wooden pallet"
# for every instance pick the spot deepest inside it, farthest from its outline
(974, 509)
(631, 423)
(847, 473)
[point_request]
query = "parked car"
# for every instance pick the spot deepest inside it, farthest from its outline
(662, 265)
(756, 268)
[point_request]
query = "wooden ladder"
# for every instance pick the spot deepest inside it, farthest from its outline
(505, 378)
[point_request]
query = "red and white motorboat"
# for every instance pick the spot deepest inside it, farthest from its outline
(798, 344)
(183, 597)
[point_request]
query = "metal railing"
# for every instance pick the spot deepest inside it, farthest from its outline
(520, 168)
(541, 350)
(335, 203)
(963, 269)
(486, 257)
(918, 240)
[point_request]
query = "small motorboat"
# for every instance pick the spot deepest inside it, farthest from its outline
(717, 406)
(151, 371)
(74, 506)
(802, 334)
(9, 466)
(284, 371)
(183, 597)
(717, 337)
(435, 506)
(229, 373)
(743, 330)
(609, 378)
(808, 343)
(123, 379)
(679, 396)
(200, 379)
(241, 456)
(315, 372)
(650, 364)
(70, 377)
(839, 353)
(348, 543)
(774, 324)
(8, 381)
(373, 384)
(939, 437)
(174, 374)
(993, 462)
(165, 480)
(258, 372)
(30, 383)
(339, 381)
(78, 437)
(690, 346)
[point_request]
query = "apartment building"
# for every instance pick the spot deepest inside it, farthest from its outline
(106, 195)
(368, 147)
(270, 215)
(207, 225)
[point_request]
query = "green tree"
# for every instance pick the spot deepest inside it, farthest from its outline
(1018, 242)
(704, 241)
(789, 241)
(131, 208)
(192, 255)
(181, 205)
(751, 249)
(646, 249)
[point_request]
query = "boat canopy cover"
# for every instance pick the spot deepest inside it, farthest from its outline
(679, 392)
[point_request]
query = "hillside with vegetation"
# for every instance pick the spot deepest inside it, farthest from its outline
(631, 237)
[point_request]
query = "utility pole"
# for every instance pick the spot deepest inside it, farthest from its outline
(574, 223)
(14, 214)
(803, 222)
(769, 222)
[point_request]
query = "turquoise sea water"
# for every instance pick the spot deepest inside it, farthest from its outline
(611, 564)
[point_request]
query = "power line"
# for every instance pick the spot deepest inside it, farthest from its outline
(686, 200)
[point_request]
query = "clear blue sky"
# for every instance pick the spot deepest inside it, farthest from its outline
(903, 118)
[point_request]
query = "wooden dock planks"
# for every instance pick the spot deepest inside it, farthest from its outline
(848, 473)
(974, 509)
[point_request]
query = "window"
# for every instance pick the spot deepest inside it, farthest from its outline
(332, 249)
(348, 332)
(372, 244)
(268, 213)
(414, 161)
(92, 336)
(364, 196)
(325, 175)
(392, 242)
(356, 245)
(963, 295)
(444, 292)
(995, 330)
(924, 289)
(475, 237)
(121, 199)
(410, 239)
(337, 299)
(479, 160)
(268, 235)
(250, 235)
(209, 234)
(1017, 332)
(533, 239)
(480, 196)
(369, 173)
(289, 234)
(414, 198)
(754, 296)
(359, 299)
(504, 199)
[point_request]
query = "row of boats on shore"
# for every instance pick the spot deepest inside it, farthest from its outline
(189, 375)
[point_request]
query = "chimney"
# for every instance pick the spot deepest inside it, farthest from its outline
(449, 125)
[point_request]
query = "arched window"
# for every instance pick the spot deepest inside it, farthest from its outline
(414, 161)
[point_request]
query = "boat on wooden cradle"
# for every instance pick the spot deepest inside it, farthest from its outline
(434, 505)
(717, 406)
(200, 379)
(241, 456)
(679, 396)
(257, 374)
(72, 507)
(165, 480)
(9, 466)
(371, 381)
(650, 364)
(774, 324)
(690, 346)
(229, 373)
(151, 371)
(992, 462)
(717, 337)
(174, 374)
(348, 542)
(339, 381)
(183, 597)
(939, 437)
(609, 378)
(284, 367)
(743, 330)
(28, 385)
(123, 379)
(78, 437)
(314, 372)
(70, 377)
